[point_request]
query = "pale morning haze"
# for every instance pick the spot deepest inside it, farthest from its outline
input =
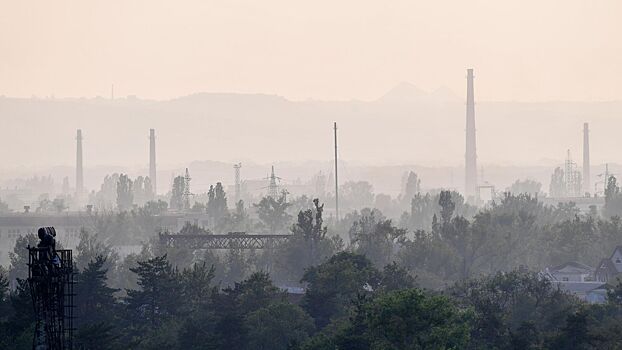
(269, 78)
(331, 60)
(310, 175)
(326, 50)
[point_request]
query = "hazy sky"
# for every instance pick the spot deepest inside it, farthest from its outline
(528, 50)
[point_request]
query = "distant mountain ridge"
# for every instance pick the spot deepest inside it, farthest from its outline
(405, 92)
(405, 126)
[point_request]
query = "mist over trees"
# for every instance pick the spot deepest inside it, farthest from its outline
(340, 198)
(436, 271)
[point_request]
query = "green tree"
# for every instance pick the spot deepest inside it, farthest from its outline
(613, 199)
(429, 257)
(410, 319)
(356, 194)
(94, 300)
(255, 292)
(310, 226)
(97, 336)
(404, 319)
(155, 208)
(237, 266)
(217, 205)
(235, 303)
(395, 277)
(557, 188)
(411, 186)
(576, 335)
(273, 213)
(448, 206)
(375, 238)
(142, 190)
(300, 203)
(573, 240)
(527, 186)
(308, 246)
(125, 193)
(614, 293)
(19, 256)
(278, 326)
(89, 248)
(4, 294)
(123, 278)
(158, 296)
(240, 220)
(332, 285)
(422, 210)
(512, 232)
(177, 193)
(196, 285)
(4, 206)
(20, 322)
(106, 197)
(507, 304)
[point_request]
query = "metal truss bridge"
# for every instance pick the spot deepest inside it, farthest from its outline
(233, 240)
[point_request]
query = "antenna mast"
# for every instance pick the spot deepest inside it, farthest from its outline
(336, 177)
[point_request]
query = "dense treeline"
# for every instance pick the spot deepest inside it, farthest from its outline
(348, 304)
(459, 280)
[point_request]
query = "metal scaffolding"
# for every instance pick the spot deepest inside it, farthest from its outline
(51, 280)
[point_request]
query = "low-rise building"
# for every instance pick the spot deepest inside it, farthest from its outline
(571, 271)
(577, 279)
(609, 268)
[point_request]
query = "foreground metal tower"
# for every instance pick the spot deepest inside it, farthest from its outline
(79, 169)
(152, 161)
(50, 278)
(586, 159)
(238, 188)
(470, 163)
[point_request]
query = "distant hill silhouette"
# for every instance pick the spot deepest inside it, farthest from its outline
(404, 126)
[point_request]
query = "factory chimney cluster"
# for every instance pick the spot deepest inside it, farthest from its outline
(80, 166)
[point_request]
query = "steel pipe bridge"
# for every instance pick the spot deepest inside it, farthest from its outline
(232, 240)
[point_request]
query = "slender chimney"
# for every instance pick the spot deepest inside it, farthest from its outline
(470, 164)
(79, 169)
(152, 161)
(586, 159)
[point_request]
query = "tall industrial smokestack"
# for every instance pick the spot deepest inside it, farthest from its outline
(152, 161)
(586, 159)
(470, 164)
(79, 169)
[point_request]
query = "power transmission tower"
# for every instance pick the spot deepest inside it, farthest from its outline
(273, 188)
(572, 178)
(237, 181)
